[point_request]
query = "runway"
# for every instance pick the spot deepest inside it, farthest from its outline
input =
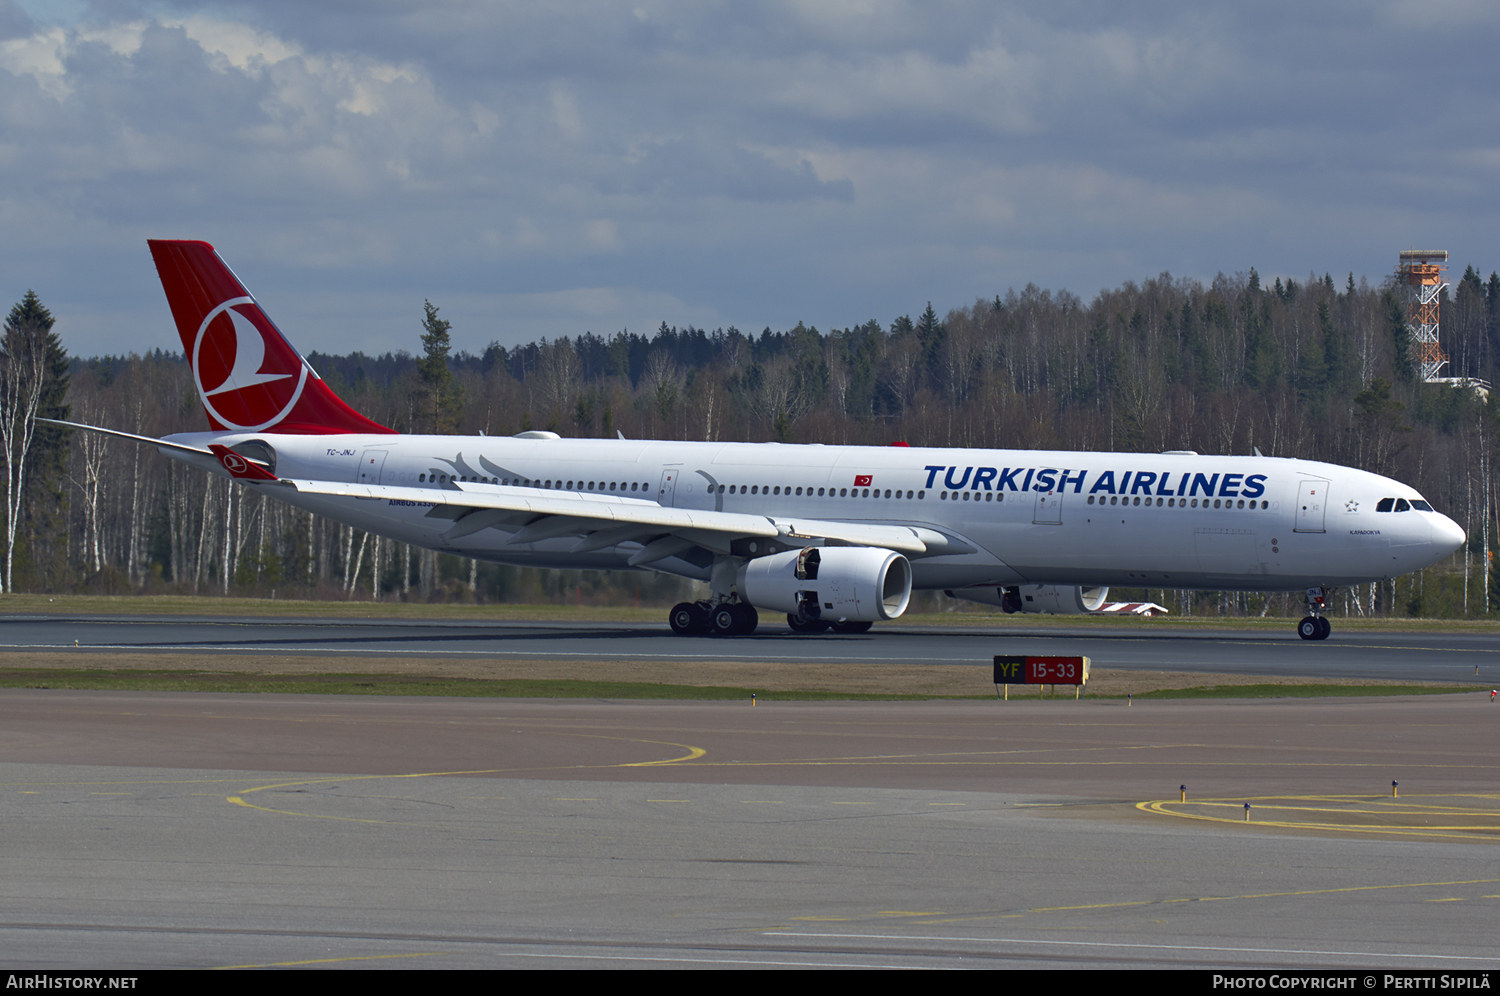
(194, 830)
(1394, 656)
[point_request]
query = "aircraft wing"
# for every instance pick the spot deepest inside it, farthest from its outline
(599, 520)
(603, 521)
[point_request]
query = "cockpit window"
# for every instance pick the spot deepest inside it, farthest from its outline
(1402, 505)
(1420, 505)
(1385, 504)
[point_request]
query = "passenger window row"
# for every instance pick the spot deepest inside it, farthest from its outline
(454, 478)
(637, 487)
(1185, 503)
(766, 489)
(526, 482)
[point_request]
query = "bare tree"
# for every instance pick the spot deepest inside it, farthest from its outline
(92, 450)
(22, 379)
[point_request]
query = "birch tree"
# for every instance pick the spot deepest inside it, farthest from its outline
(23, 368)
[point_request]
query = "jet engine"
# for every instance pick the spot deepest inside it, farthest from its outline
(1059, 600)
(832, 583)
(1052, 599)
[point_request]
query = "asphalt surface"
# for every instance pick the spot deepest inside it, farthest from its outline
(1397, 656)
(209, 830)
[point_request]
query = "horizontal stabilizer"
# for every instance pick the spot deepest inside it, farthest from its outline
(147, 440)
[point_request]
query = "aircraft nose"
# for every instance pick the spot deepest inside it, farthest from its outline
(1447, 535)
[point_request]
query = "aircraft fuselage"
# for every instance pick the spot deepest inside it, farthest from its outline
(1012, 516)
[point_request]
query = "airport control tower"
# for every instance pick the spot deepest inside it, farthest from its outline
(1422, 270)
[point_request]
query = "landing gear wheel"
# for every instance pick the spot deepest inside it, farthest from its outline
(802, 624)
(852, 627)
(1311, 628)
(1324, 627)
(727, 620)
(752, 619)
(686, 618)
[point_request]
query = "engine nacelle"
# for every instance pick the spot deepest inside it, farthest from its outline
(833, 583)
(1052, 599)
(1060, 600)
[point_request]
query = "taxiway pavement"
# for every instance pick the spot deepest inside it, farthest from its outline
(202, 830)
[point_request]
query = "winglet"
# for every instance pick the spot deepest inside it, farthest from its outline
(239, 468)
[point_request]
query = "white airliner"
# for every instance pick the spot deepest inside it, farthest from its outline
(836, 537)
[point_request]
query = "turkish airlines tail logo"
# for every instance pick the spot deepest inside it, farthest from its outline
(248, 376)
(243, 388)
(248, 349)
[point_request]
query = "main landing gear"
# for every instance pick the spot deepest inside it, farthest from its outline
(1315, 626)
(723, 619)
(801, 624)
(741, 619)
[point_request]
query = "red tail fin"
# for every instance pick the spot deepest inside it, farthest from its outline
(249, 377)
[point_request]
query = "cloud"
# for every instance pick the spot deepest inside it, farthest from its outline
(39, 56)
(699, 167)
(724, 163)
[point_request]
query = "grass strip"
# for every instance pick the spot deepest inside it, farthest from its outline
(381, 684)
(523, 688)
(1301, 691)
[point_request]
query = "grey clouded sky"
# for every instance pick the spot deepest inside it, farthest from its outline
(550, 169)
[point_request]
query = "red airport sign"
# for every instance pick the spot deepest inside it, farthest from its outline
(1012, 670)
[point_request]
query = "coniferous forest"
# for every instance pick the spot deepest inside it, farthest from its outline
(1322, 369)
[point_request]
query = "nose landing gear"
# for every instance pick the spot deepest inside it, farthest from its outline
(1315, 626)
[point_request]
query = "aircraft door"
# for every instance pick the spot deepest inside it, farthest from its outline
(1048, 508)
(666, 495)
(1312, 498)
(371, 463)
